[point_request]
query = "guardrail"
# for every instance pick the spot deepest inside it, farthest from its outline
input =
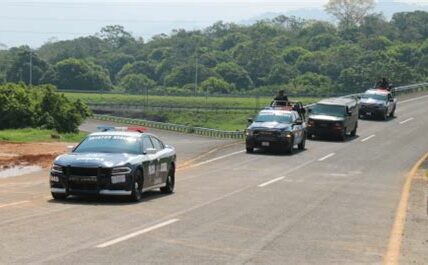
(173, 127)
(226, 134)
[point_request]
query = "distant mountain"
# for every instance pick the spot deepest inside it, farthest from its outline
(386, 7)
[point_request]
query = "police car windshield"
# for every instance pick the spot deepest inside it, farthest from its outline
(283, 118)
(374, 96)
(331, 110)
(109, 144)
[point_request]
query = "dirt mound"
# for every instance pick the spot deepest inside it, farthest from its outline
(41, 154)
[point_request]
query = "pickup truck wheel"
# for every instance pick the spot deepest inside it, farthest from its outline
(170, 182)
(250, 150)
(290, 147)
(137, 187)
(354, 131)
(59, 196)
(302, 143)
(342, 136)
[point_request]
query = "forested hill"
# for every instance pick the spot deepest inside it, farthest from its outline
(304, 57)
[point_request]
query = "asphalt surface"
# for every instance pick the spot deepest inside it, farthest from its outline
(333, 203)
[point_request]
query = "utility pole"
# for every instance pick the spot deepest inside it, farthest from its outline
(196, 71)
(31, 69)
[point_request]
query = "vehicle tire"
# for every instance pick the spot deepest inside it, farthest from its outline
(302, 144)
(342, 136)
(59, 196)
(250, 150)
(354, 131)
(170, 182)
(385, 115)
(392, 114)
(137, 187)
(290, 147)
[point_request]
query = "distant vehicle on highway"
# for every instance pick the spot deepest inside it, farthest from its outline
(122, 161)
(281, 126)
(335, 117)
(377, 103)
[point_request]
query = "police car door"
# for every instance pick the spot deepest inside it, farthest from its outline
(150, 165)
(162, 161)
(298, 129)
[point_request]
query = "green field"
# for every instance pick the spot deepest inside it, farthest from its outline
(38, 135)
(223, 120)
(187, 101)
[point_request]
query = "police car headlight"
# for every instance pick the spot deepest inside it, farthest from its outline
(56, 169)
(121, 171)
(248, 132)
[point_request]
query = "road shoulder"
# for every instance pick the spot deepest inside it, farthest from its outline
(415, 238)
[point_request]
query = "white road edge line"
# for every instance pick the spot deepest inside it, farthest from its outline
(13, 203)
(217, 158)
(368, 138)
(405, 121)
(412, 99)
(270, 182)
(326, 157)
(137, 233)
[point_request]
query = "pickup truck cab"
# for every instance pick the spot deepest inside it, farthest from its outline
(377, 103)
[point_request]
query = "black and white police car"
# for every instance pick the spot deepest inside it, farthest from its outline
(123, 161)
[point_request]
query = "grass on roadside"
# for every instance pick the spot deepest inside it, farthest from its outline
(38, 135)
(187, 101)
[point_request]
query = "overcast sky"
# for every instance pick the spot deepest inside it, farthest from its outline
(34, 22)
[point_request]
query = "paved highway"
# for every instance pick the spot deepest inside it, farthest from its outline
(333, 203)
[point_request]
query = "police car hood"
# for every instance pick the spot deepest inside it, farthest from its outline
(322, 117)
(270, 125)
(371, 101)
(95, 159)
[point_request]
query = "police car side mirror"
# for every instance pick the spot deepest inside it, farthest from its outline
(250, 120)
(150, 151)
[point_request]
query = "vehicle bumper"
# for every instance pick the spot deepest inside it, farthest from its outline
(331, 131)
(102, 186)
(282, 142)
(371, 111)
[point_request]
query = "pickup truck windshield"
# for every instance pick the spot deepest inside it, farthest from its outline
(109, 144)
(331, 110)
(285, 118)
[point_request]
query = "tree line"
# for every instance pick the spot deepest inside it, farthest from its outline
(302, 56)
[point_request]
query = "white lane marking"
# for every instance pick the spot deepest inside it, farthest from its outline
(412, 99)
(405, 121)
(137, 233)
(217, 158)
(368, 138)
(13, 203)
(270, 182)
(326, 157)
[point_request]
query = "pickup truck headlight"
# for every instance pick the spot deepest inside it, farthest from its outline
(56, 169)
(121, 171)
(286, 134)
(248, 132)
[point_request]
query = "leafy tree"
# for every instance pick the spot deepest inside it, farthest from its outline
(349, 12)
(137, 83)
(139, 67)
(116, 36)
(78, 75)
(19, 70)
(234, 74)
(291, 55)
(310, 84)
(216, 85)
(281, 74)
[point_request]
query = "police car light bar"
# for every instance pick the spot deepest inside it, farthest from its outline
(106, 128)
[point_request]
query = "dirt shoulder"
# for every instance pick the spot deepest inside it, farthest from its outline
(40, 154)
(415, 238)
